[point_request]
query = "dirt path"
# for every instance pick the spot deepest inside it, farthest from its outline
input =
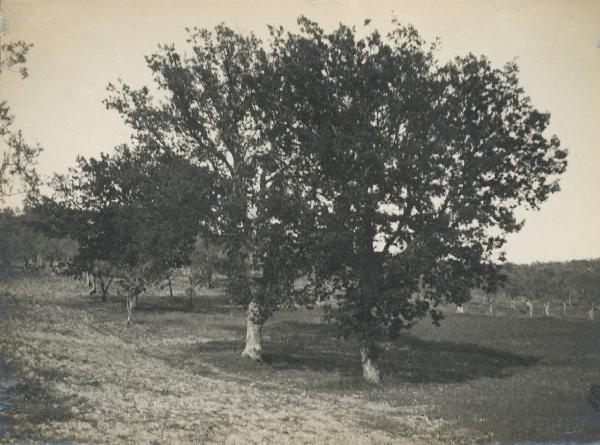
(90, 383)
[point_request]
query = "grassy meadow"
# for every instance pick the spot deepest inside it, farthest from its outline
(78, 374)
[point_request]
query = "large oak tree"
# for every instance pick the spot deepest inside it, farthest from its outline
(212, 105)
(414, 168)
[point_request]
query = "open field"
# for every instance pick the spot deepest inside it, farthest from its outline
(176, 375)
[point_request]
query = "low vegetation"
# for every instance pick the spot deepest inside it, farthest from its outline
(176, 375)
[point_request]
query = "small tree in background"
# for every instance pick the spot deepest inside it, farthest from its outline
(588, 286)
(513, 285)
(206, 260)
(491, 300)
(561, 289)
(134, 214)
(542, 282)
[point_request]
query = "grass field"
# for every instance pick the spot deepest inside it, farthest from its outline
(80, 375)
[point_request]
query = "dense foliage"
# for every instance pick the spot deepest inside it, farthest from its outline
(134, 214)
(21, 244)
(385, 177)
(572, 282)
(212, 107)
(415, 169)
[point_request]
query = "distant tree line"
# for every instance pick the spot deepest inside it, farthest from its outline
(557, 286)
(22, 244)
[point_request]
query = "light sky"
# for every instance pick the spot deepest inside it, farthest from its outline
(81, 45)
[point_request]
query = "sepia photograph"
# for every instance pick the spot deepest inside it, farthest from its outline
(300, 222)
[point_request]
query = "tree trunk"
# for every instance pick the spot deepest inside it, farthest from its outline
(130, 305)
(98, 278)
(565, 308)
(370, 369)
(190, 290)
(491, 308)
(591, 313)
(513, 304)
(209, 277)
(547, 309)
(93, 289)
(104, 287)
(254, 347)
(170, 287)
(530, 306)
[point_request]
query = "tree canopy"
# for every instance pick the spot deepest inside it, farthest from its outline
(356, 159)
(212, 106)
(575, 281)
(416, 169)
(135, 211)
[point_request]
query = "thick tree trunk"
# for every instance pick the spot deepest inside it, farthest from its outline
(93, 289)
(254, 347)
(370, 369)
(547, 309)
(170, 287)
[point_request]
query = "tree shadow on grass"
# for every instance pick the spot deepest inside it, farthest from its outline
(181, 304)
(296, 346)
(415, 360)
(158, 304)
